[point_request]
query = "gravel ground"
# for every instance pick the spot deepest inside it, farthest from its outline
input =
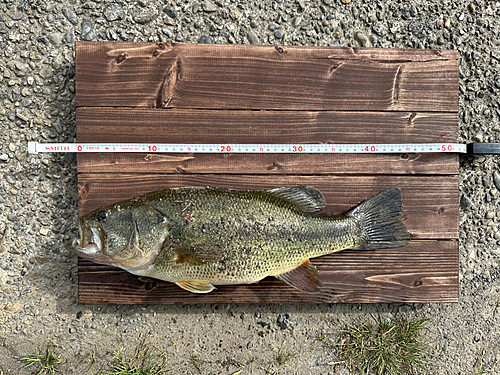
(38, 193)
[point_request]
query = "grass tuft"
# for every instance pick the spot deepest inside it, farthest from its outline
(142, 362)
(384, 348)
(48, 363)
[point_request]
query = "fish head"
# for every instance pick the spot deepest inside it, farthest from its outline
(127, 235)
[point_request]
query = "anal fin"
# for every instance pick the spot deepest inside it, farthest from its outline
(195, 286)
(304, 278)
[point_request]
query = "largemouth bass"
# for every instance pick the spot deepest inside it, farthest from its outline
(199, 237)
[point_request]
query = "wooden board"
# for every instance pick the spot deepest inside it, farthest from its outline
(161, 93)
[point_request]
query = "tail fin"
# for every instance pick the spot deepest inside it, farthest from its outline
(378, 218)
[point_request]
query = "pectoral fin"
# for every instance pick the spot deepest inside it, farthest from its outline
(195, 286)
(304, 278)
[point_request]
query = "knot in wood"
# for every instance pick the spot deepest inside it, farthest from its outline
(280, 49)
(121, 58)
(150, 285)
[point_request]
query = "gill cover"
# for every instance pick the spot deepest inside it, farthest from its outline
(128, 235)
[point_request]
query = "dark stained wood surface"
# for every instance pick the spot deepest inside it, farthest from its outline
(430, 209)
(169, 75)
(178, 126)
(163, 93)
(423, 271)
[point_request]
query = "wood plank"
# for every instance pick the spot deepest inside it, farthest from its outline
(275, 164)
(104, 124)
(159, 75)
(430, 202)
(422, 272)
(205, 126)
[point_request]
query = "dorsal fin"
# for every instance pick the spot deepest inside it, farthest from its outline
(303, 198)
(304, 278)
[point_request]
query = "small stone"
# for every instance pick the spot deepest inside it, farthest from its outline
(22, 116)
(346, 1)
(70, 16)
(490, 215)
(496, 179)
(12, 147)
(111, 34)
(55, 38)
(493, 192)
(88, 31)
(13, 191)
(4, 157)
(170, 12)
(472, 7)
(112, 13)
(13, 218)
(17, 16)
(79, 314)
(296, 21)
(479, 160)
(465, 202)
(284, 321)
(272, 26)
(72, 330)
(44, 231)
(278, 34)
(209, 7)
(486, 181)
(252, 38)
(144, 18)
(69, 38)
(447, 23)
(327, 2)
(363, 40)
(458, 41)
(496, 236)
(205, 40)
(58, 127)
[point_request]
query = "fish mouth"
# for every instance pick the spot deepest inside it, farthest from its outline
(88, 243)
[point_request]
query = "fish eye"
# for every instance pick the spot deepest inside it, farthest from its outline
(101, 216)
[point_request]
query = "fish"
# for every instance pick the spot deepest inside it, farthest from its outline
(201, 237)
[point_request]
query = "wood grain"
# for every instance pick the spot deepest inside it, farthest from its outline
(423, 271)
(161, 75)
(271, 164)
(430, 202)
(179, 126)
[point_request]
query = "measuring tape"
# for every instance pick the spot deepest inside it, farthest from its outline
(366, 148)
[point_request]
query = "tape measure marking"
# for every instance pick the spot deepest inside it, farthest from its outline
(365, 148)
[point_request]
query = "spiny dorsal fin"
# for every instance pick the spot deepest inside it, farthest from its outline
(195, 286)
(304, 278)
(304, 198)
(197, 255)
